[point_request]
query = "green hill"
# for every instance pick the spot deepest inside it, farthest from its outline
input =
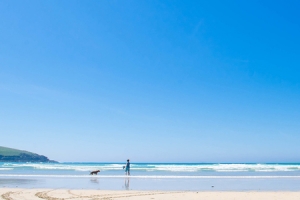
(5, 151)
(16, 155)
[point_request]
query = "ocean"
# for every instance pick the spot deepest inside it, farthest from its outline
(154, 176)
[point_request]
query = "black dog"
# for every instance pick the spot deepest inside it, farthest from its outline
(95, 172)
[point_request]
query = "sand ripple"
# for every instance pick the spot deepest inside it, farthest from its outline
(64, 194)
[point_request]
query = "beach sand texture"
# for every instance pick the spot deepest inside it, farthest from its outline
(65, 194)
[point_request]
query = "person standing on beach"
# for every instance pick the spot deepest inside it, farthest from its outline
(127, 168)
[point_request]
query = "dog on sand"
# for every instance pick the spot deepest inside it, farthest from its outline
(95, 172)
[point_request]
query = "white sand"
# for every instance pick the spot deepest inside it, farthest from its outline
(33, 194)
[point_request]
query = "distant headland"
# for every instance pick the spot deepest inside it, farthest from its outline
(15, 155)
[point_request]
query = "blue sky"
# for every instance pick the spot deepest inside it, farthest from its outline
(153, 81)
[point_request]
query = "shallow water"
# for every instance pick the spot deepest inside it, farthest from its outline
(153, 176)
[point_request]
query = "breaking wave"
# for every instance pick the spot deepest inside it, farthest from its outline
(150, 167)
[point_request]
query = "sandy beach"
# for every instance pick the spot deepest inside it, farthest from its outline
(60, 194)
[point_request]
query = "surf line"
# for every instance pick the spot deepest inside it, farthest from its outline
(148, 177)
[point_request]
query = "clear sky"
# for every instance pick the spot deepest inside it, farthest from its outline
(153, 80)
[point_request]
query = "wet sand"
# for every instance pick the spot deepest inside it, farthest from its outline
(64, 194)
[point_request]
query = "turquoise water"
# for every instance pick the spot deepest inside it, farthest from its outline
(161, 176)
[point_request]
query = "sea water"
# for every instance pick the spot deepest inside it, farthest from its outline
(154, 176)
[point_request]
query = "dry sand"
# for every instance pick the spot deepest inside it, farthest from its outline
(60, 194)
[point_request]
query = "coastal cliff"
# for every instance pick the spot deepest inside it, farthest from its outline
(15, 155)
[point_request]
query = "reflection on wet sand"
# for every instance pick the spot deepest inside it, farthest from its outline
(127, 183)
(95, 180)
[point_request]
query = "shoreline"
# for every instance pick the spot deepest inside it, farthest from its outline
(148, 176)
(84, 194)
(151, 184)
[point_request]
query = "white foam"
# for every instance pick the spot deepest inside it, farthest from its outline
(150, 177)
(225, 167)
(5, 168)
(79, 167)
